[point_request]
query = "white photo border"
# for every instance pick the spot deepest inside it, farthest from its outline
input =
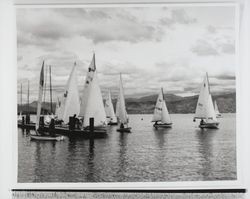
(240, 114)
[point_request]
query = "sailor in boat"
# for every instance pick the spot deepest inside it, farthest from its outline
(77, 122)
(122, 126)
(52, 128)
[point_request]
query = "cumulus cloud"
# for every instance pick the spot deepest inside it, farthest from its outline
(153, 47)
(204, 48)
(177, 16)
(224, 77)
(45, 26)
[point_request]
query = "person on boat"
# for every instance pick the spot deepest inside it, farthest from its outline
(156, 122)
(122, 126)
(27, 120)
(202, 122)
(52, 128)
(77, 122)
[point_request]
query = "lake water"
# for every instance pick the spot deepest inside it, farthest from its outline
(183, 153)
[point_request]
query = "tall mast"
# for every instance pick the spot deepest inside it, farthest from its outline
(44, 90)
(21, 98)
(28, 97)
(208, 83)
(162, 94)
(50, 88)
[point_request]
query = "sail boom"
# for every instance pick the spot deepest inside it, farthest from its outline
(203, 118)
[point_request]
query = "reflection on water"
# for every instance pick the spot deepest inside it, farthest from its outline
(123, 162)
(183, 152)
(91, 170)
(205, 148)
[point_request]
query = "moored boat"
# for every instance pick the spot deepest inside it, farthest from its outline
(40, 135)
(46, 138)
(92, 102)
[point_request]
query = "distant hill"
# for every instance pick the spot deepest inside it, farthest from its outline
(176, 104)
(145, 105)
(33, 106)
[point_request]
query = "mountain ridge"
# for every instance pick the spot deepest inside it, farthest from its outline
(145, 105)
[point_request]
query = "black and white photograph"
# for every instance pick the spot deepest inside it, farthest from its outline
(126, 93)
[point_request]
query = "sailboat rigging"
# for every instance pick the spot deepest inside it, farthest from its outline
(38, 131)
(21, 105)
(161, 116)
(217, 112)
(94, 107)
(121, 110)
(109, 109)
(69, 105)
(205, 108)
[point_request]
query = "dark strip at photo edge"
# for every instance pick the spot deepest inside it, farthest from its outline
(137, 191)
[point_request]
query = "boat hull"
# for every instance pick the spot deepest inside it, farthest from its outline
(46, 138)
(163, 125)
(124, 130)
(214, 125)
(64, 130)
(113, 123)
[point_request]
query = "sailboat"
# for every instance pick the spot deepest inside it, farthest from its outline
(58, 111)
(21, 107)
(217, 112)
(88, 80)
(121, 110)
(69, 105)
(48, 117)
(38, 135)
(161, 116)
(109, 109)
(205, 108)
(92, 102)
(94, 106)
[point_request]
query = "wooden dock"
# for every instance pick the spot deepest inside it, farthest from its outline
(61, 130)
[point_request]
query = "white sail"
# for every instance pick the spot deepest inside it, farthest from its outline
(88, 80)
(210, 111)
(204, 108)
(117, 108)
(121, 107)
(158, 108)
(94, 105)
(71, 101)
(161, 111)
(217, 112)
(40, 96)
(165, 115)
(109, 109)
(58, 111)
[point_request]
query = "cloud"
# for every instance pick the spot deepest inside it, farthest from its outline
(151, 47)
(228, 48)
(225, 77)
(45, 27)
(211, 29)
(204, 48)
(177, 16)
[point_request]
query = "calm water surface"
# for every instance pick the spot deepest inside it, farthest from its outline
(183, 153)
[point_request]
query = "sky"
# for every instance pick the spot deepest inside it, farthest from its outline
(153, 47)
